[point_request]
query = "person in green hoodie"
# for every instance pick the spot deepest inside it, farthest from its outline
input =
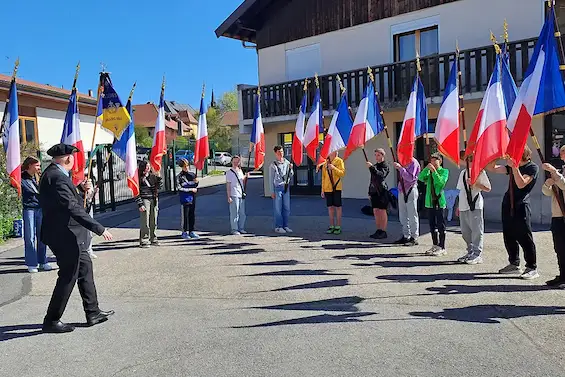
(435, 177)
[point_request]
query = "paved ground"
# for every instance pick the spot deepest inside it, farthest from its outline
(305, 304)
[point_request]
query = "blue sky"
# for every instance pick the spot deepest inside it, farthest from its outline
(138, 40)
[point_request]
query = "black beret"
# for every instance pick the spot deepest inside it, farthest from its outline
(61, 149)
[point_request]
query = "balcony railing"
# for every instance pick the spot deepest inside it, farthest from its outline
(393, 81)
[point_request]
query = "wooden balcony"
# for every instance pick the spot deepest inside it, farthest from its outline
(393, 81)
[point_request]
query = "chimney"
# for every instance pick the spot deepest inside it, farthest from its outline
(90, 93)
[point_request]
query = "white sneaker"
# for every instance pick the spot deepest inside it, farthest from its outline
(464, 258)
(510, 269)
(92, 255)
(32, 270)
(280, 230)
(236, 233)
(243, 231)
(47, 267)
(431, 250)
(530, 274)
(474, 259)
(439, 252)
(287, 229)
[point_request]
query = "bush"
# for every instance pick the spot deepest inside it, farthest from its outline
(10, 203)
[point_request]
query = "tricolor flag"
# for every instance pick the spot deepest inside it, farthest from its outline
(339, 131)
(11, 139)
(257, 139)
(541, 92)
(368, 121)
(415, 122)
(297, 140)
(312, 133)
(489, 137)
(125, 149)
(159, 147)
(509, 89)
(71, 136)
(201, 149)
(447, 126)
(115, 117)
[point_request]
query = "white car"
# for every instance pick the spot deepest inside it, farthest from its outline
(222, 158)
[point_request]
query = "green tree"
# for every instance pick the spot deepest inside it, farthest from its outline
(228, 102)
(218, 134)
(142, 137)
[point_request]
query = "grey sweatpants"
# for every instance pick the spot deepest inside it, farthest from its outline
(408, 213)
(148, 221)
(473, 229)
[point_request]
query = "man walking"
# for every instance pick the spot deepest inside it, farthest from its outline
(65, 229)
(408, 202)
(280, 173)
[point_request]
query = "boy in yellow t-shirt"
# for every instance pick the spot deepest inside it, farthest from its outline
(333, 170)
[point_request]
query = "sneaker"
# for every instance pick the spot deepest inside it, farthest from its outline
(560, 286)
(474, 259)
(185, 236)
(411, 242)
(530, 274)
(555, 282)
(376, 234)
(236, 233)
(510, 269)
(382, 235)
(92, 255)
(32, 270)
(194, 236)
(145, 245)
(46, 267)
(464, 258)
(330, 230)
(401, 241)
(287, 229)
(155, 243)
(431, 250)
(242, 231)
(280, 230)
(439, 252)
(337, 230)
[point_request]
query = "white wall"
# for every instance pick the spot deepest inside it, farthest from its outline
(469, 21)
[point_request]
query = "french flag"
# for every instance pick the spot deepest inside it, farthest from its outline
(71, 136)
(415, 122)
(489, 137)
(541, 92)
(368, 121)
(257, 138)
(201, 149)
(297, 140)
(339, 131)
(447, 126)
(312, 133)
(11, 140)
(509, 89)
(125, 149)
(159, 140)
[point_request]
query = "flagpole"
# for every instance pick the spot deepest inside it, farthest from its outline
(205, 162)
(250, 149)
(100, 83)
(4, 117)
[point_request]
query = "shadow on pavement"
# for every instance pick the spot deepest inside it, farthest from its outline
(454, 289)
(408, 264)
(490, 314)
(14, 271)
(373, 256)
(316, 319)
(240, 252)
(290, 262)
(408, 278)
(320, 284)
(295, 273)
(19, 331)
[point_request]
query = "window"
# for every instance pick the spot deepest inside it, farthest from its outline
(28, 130)
(559, 12)
(425, 41)
(303, 62)
(554, 137)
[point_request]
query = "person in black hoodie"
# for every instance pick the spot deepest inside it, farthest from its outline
(148, 202)
(35, 250)
(187, 184)
(378, 193)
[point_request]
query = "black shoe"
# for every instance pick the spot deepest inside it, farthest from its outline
(401, 241)
(376, 234)
(411, 242)
(56, 327)
(382, 235)
(96, 318)
(555, 282)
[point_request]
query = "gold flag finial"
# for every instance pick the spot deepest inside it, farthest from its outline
(163, 83)
(457, 51)
(418, 66)
(132, 90)
(76, 76)
(16, 66)
(305, 85)
(371, 76)
(495, 43)
(550, 3)
(317, 81)
(258, 91)
(341, 87)
(505, 36)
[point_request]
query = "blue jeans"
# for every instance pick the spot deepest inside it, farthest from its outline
(237, 214)
(281, 207)
(32, 226)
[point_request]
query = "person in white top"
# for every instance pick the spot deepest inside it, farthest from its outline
(235, 187)
(471, 212)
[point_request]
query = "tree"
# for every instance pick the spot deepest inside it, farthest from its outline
(218, 134)
(228, 102)
(142, 137)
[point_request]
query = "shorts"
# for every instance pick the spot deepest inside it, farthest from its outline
(380, 201)
(333, 199)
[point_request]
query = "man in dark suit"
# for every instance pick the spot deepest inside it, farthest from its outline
(65, 230)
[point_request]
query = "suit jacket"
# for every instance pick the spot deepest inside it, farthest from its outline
(65, 222)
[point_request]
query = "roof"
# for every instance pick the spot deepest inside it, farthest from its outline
(243, 23)
(41, 89)
(230, 118)
(185, 112)
(145, 115)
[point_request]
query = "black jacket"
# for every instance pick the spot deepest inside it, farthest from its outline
(65, 222)
(379, 172)
(149, 188)
(30, 191)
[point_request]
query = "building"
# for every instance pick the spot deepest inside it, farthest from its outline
(184, 113)
(42, 110)
(239, 141)
(296, 39)
(145, 115)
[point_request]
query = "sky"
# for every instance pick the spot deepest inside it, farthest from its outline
(137, 40)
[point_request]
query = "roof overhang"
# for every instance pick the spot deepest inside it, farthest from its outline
(243, 23)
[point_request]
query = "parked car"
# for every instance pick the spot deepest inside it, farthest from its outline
(222, 158)
(186, 154)
(143, 153)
